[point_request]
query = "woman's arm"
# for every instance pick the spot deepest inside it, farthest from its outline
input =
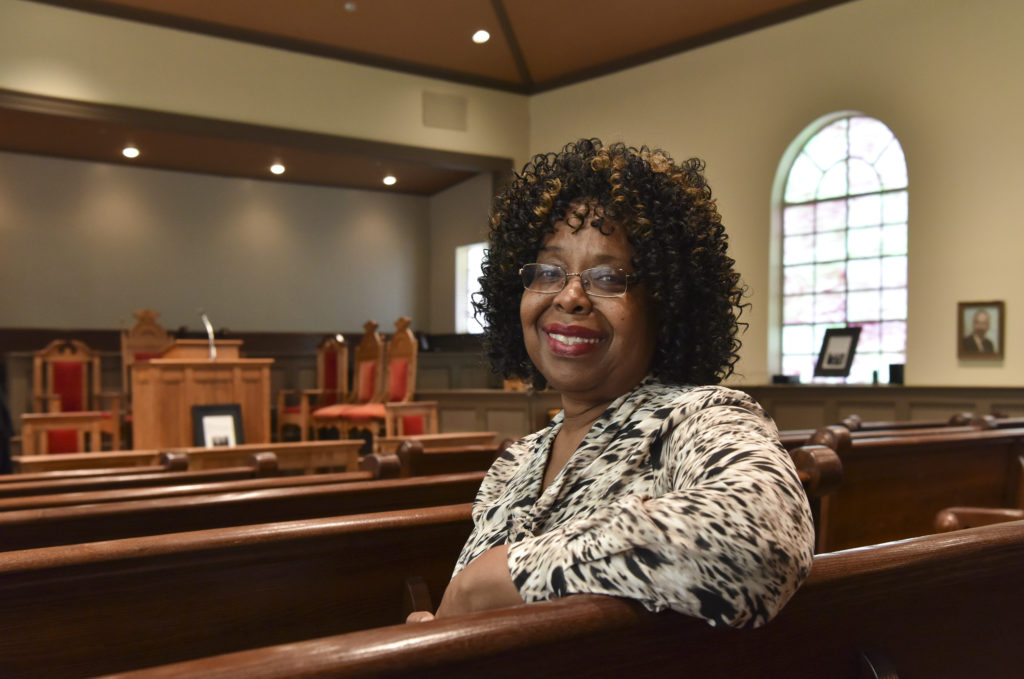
(484, 584)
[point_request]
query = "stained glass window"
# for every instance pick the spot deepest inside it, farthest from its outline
(844, 247)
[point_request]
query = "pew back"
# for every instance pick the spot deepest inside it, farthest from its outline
(151, 493)
(305, 456)
(32, 528)
(258, 465)
(893, 487)
(104, 607)
(937, 607)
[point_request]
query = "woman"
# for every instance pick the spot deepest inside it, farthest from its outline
(607, 278)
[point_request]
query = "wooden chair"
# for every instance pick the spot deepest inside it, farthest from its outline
(382, 398)
(145, 340)
(331, 388)
(66, 380)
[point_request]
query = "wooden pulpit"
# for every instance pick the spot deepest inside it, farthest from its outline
(165, 389)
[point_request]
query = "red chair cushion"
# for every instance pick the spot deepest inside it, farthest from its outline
(398, 379)
(143, 356)
(367, 380)
(413, 425)
(62, 441)
(330, 375)
(365, 411)
(294, 410)
(69, 382)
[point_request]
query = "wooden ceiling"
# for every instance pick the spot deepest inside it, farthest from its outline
(535, 45)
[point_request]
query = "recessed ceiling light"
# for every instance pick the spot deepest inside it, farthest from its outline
(389, 180)
(277, 168)
(350, 6)
(130, 152)
(481, 36)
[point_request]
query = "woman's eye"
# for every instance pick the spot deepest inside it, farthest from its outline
(549, 274)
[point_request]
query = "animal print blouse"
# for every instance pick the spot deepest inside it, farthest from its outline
(678, 497)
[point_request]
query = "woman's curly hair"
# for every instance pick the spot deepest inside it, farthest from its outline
(679, 253)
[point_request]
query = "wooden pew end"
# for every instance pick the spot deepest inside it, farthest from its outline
(173, 461)
(263, 463)
(834, 436)
(957, 518)
(819, 468)
(960, 419)
(381, 465)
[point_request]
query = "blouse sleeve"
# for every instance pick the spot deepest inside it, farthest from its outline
(729, 540)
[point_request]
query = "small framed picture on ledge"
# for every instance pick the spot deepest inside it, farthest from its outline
(215, 426)
(837, 351)
(980, 331)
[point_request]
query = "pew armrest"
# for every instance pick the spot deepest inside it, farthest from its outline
(956, 518)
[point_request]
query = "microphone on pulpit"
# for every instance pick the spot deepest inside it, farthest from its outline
(209, 333)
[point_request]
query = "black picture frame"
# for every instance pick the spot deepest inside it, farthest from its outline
(837, 352)
(992, 342)
(214, 426)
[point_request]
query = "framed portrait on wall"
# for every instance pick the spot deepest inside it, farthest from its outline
(215, 426)
(980, 329)
(837, 351)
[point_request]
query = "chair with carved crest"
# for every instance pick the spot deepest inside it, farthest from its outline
(66, 393)
(385, 381)
(145, 340)
(331, 388)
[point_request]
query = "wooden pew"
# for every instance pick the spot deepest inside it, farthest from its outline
(942, 607)
(958, 518)
(165, 598)
(101, 607)
(416, 460)
(184, 490)
(386, 444)
(257, 465)
(304, 456)
(169, 462)
(32, 528)
(893, 487)
(797, 437)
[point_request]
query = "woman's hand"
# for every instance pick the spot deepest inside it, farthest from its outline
(419, 616)
(484, 584)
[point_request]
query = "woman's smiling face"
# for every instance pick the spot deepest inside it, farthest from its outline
(590, 348)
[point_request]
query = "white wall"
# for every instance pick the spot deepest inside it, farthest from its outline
(943, 74)
(459, 217)
(83, 245)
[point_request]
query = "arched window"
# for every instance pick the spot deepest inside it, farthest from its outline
(844, 247)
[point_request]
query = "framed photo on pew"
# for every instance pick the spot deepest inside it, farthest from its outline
(219, 425)
(837, 351)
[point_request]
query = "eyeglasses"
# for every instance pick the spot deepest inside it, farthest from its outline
(601, 281)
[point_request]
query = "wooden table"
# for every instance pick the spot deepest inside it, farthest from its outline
(35, 424)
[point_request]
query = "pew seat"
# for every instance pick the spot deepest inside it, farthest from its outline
(936, 607)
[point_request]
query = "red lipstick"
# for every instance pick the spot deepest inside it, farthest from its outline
(572, 340)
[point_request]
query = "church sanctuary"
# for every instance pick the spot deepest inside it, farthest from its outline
(246, 404)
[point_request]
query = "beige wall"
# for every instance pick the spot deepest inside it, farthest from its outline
(943, 74)
(85, 244)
